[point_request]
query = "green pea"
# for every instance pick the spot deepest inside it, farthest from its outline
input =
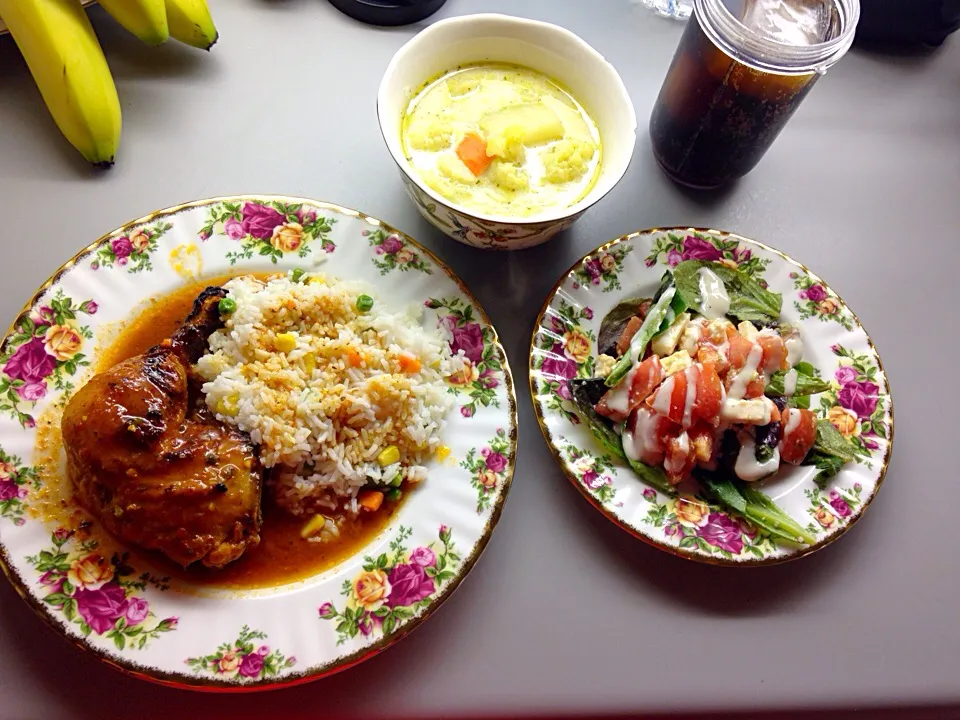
(397, 481)
(395, 494)
(297, 274)
(227, 306)
(364, 303)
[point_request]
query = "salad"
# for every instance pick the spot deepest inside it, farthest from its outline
(704, 383)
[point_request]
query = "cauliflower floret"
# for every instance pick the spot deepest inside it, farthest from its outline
(604, 365)
(508, 176)
(508, 146)
(452, 191)
(430, 136)
(567, 160)
(452, 167)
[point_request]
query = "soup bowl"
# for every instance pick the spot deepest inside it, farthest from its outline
(548, 49)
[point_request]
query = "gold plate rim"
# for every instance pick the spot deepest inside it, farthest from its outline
(612, 517)
(203, 684)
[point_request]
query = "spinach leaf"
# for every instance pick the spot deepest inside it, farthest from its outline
(831, 443)
(614, 322)
(583, 392)
(653, 476)
(806, 385)
(827, 465)
(656, 321)
(749, 300)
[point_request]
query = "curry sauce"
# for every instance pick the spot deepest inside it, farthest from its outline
(282, 555)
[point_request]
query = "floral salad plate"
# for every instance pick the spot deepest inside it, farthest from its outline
(685, 523)
(113, 603)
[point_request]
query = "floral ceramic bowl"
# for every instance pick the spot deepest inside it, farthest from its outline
(858, 402)
(550, 49)
(125, 611)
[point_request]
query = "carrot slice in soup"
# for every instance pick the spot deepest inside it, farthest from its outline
(472, 150)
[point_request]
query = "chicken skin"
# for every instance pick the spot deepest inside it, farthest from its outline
(149, 460)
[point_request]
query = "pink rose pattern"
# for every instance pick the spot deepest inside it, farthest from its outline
(243, 659)
(488, 468)
(591, 471)
(112, 610)
(29, 367)
(249, 226)
(671, 249)
(555, 364)
(414, 577)
(476, 343)
(815, 301)
(602, 268)
(131, 251)
(17, 481)
(860, 392)
(392, 252)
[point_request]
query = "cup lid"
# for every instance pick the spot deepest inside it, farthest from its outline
(388, 12)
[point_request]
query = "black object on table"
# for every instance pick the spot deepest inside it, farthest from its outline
(907, 22)
(388, 12)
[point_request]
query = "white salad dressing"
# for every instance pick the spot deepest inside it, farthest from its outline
(793, 420)
(747, 467)
(675, 462)
(664, 396)
(714, 300)
(618, 398)
(738, 388)
(794, 345)
(693, 376)
(641, 443)
(790, 382)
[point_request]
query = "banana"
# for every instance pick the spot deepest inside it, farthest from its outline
(68, 65)
(190, 23)
(147, 19)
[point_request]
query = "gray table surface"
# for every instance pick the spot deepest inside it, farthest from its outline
(565, 612)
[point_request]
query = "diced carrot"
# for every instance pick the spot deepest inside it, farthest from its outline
(740, 349)
(774, 352)
(353, 357)
(409, 363)
(626, 335)
(370, 500)
(649, 374)
(798, 435)
(709, 397)
(472, 150)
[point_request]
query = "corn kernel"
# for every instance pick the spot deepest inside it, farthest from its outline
(388, 456)
(316, 280)
(314, 525)
(442, 453)
(229, 405)
(286, 342)
(309, 362)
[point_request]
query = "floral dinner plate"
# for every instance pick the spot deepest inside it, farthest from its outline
(858, 402)
(122, 609)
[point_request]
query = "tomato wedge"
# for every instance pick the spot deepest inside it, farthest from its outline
(649, 374)
(709, 394)
(774, 352)
(799, 434)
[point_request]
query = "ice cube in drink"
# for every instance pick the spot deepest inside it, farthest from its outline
(792, 22)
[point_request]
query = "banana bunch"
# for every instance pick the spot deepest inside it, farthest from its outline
(67, 63)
